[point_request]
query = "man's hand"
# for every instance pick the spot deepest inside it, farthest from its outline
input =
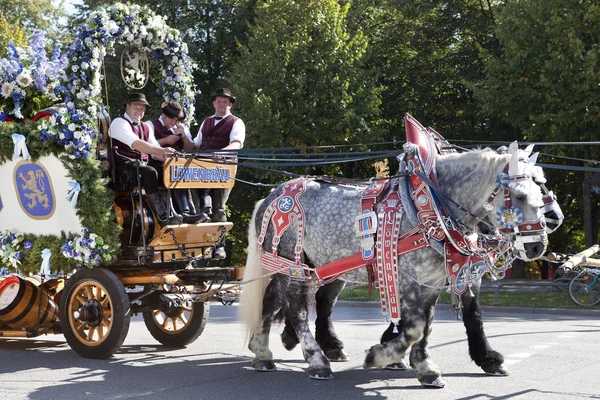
(166, 151)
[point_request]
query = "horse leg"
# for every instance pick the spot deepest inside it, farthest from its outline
(391, 333)
(427, 372)
(479, 348)
(297, 314)
(325, 335)
(259, 341)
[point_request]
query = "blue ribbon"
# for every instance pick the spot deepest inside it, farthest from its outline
(73, 194)
(45, 268)
(20, 146)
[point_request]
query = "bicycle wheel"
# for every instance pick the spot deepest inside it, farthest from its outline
(561, 280)
(584, 289)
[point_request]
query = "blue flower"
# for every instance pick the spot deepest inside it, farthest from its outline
(27, 245)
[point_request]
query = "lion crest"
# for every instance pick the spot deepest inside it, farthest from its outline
(34, 189)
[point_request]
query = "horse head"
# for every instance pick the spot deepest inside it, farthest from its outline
(519, 211)
(506, 189)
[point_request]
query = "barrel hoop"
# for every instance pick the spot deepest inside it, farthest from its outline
(8, 309)
(26, 310)
(45, 315)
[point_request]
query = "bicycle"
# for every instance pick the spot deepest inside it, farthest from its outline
(584, 289)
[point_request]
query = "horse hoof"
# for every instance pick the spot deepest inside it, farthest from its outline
(497, 370)
(321, 374)
(337, 355)
(432, 382)
(399, 366)
(264, 365)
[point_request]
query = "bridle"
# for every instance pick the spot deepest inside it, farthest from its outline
(510, 218)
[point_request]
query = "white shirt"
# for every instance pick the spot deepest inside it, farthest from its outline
(121, 130)
(151, 126)
(238, 132)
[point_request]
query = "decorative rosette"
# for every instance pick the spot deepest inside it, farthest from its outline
(509, 218)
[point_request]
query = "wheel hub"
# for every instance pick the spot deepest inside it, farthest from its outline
(91, 312)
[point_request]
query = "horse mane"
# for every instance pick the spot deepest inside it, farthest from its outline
(479, 160)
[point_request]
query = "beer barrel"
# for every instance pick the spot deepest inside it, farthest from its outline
(20, 304)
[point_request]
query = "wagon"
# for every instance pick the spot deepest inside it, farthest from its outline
(54, 202)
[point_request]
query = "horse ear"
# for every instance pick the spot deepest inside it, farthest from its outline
(529, 149)
(533, 159)
(513, 165)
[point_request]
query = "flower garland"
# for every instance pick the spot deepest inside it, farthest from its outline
(28, 78)
(10, 248)
(74, 125)
(135, 26)
(88, 248)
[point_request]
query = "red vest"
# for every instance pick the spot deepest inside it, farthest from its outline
(216, 137)
(143, 132)
(160, 132)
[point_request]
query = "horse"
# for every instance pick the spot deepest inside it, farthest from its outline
(470, 180)
(480, 350)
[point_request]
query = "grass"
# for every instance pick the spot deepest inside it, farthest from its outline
(553, 299)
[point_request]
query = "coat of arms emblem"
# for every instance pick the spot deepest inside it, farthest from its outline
(34, 188)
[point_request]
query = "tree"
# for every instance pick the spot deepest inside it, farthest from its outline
(428, 56)
(22, 17)
(302, 80)
(545, 80)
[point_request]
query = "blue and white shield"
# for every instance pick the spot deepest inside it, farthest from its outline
(34, 190)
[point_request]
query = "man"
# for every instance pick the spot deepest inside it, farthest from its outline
(169, 131)
(222, 131)
(133, 140)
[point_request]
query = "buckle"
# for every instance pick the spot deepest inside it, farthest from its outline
(361, 224)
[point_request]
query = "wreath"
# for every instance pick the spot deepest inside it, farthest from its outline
(71, 132)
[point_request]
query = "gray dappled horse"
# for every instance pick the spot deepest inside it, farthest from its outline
(480, 350)
(466, 178)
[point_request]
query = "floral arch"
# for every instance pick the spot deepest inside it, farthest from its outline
(70, 133)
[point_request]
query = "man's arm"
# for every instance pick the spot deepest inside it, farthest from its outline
(156, 151)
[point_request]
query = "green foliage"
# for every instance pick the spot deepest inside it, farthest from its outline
(24, 16)
(544, 80)
(301, 79)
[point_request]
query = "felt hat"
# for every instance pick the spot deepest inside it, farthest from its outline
(173, 109)
(137, 98)
(223, 92)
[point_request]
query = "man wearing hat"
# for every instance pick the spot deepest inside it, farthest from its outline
(221, 131)
(169, 131)
(134, 140)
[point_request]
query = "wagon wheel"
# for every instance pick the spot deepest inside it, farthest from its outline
(177, 326)
(584, 289)
(94, 312)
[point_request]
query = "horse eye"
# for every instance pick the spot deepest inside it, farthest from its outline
(521, 197)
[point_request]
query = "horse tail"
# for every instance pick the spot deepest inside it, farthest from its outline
(251, 299)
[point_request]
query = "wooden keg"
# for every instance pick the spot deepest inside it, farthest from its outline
(20, 304)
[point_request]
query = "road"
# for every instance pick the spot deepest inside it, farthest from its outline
(549, 356)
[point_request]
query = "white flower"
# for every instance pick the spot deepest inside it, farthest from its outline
(138, 41)
(176, 95)
(149, 36)
(76, 134)
(130, 37)
(72, 127)
(70, 105)
(24, 78)
(177, 70)
(7, 89)
(166, 52)
(75, 68)
(85, 65)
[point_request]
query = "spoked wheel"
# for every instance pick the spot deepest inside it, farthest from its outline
(94, 312)
(584, 289)
(177, 326)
